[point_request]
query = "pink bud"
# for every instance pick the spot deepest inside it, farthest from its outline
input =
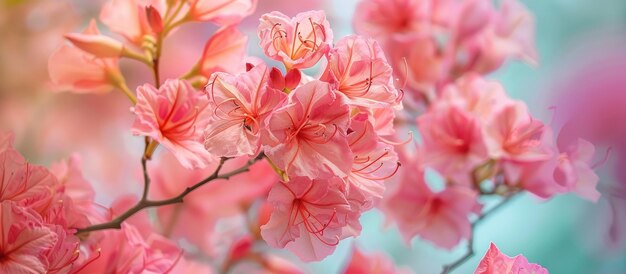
(292, 79)
(154, 19)
(95, 44)
(276, 80)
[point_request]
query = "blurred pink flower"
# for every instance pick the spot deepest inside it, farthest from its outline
(439, 217)
(359, 69)
(221, 12)
(239, 105)
(453, 142)
(298, 42)
(375, 263)
(224, 51)
(494, 262)
(75, 70)
(308, 217)
(174, 115)
(25, 239)
(96, 44)
(307, 136)
(383, 18)
(129, 18)
(575, 172)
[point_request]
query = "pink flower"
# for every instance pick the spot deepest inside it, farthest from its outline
(222, 12)
(384, 18)
(308, 217)
(453, 142)
(298, 42)
(574, 170)
(307, 136)
(72, 183)
(174, 115)
(289, 82)
(63, 256)
(6, 141)
(24, 240)
(96, 44)
(224, 51)
(239, 105)
(494, 262)
(129, 18)
(476, 95)
(441, 217)
(79, 71)
(375, 263)
(360, 71)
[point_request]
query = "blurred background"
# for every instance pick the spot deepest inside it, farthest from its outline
(582, 74)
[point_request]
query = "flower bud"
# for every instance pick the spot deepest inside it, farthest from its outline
(97, 45)
(154, 19)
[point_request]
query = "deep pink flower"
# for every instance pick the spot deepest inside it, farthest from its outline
(308, 217)
(239, 106)
(439, 217)
(360, 71)
(307, 136)
(222, 12)
(453, 142)
(75, 70)
(494, 262)
(24, 240)
(298, 42)
(174, 115)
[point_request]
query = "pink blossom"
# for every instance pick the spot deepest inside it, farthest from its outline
(64, 255)
(384, 18)
(24, 240)
(174, 115)
(438, 217)
(359, 69)
(374, 263)
(96, 44)
(75, 70)
(453, 142)
(298, 42)
(72, 182)
(307, 136)
(494, 262)
(239, 105)
(222, 12)
(224, 51)
(129, 18)
(308, 217)
(286, 83)
(476, 95)
(575, 172)
(6, 141)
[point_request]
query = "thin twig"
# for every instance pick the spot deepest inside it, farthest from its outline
(116, 223)
(470, 242)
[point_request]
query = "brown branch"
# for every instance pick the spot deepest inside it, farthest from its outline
(116, 223)
(470, 242)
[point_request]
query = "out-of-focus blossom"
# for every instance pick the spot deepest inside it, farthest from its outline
(174, 115)
(375, 263)
(298, 42)
(453, 142)
(359, 69)
(25, 239)
(72, 182)
(130, 19)
(75, 70)
(222, 12)
(96, 44)
(382, 18)
(308, 217)
(575, 170)
(204, 206)
(495, 262)
(307, 136)
(439, 217)
(239, 106)
(224, 51)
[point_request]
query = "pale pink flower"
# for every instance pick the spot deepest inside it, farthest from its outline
(574, 170)
(476, 95)
(76, 70)
(239, 106)
(95, 44)
(129, 18)
(307, 136)
(298, 42)
(205, 205)
(441, 218)
(174, 115)
(224, 51)
(374, 263)
(308, 217)
(494, 262)
(28, 185)
(453, 142)
(222, 12)
(359, 69)
(384, 18)
(72, 183)
(24, 240)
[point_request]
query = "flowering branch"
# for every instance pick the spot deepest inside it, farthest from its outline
(146, 203)
(470, 242)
